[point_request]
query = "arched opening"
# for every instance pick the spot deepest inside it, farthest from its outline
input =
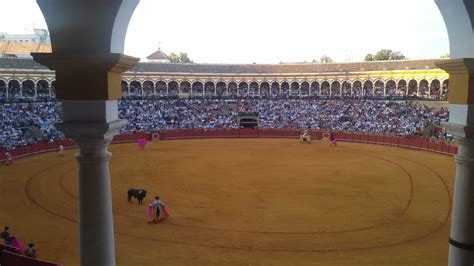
(402, 88)
(13, 89)
(253, 88)
(221, 88)
(275, 88)
(325, 89)
(28, 88)
(265, 89)
(52, 89)
(233, 89)
(285, 89)
(135, 89)
(390, 88)
(124, 89)
(304, 88)
(243, 88)
(412, 88)
(346, 89)
(379, 89)
(173, 88)
(335, 89)
(357, 89)
(295, 88)
(197, 89)
(424, 89)
(185, 87)
(148, 89)
(209, 88)
(435, 89)
(445, 90)
(3, 89)
(315, 88)
(161, 88)
(368, 89)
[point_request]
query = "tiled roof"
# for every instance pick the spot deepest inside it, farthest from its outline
(158, 55)
(17, 63)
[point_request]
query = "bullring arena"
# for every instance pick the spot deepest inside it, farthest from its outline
(244, 201)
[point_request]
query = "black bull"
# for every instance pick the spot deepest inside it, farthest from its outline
(139, 194)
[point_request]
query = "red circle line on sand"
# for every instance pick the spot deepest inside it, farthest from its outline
(247, 248)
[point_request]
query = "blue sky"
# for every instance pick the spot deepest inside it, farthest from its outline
(269, 31)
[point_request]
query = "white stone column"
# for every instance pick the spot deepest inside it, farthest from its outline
(461, 240)
(92, 125)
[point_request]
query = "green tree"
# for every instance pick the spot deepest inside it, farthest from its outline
(369, 57)
(180, 58)
(385, 55)
(325, 59)
(444, 56)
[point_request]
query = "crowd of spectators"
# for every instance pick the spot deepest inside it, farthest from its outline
(23, 123)
(403, 118)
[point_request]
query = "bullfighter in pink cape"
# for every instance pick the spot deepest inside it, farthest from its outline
(141, 143)
(333, 139)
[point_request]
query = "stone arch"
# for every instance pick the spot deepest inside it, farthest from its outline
(412, 88)
(275, 88)
(173, 88)
(52, 89)
(379, 88)
(123, 89)
(390, 88)
(232, 88)
(315, 89)
(335, 88)
(185, 87)
(243, 88)
(435, 89)
(253, 88)
(161, 88)
(28, 88)
(402, 88)
(13, 89)
(445, 89)
(423, 88)
(368, 89)
(346, 88)
(285, 88)
(304, 89)
(221, 88)
(197, 88)
(135, 88)
(357, 88)
(294, 88)
(148, 88)
(3, 89)
(325, 89)
(265, 88)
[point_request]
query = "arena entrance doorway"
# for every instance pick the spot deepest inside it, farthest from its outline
(248, 120)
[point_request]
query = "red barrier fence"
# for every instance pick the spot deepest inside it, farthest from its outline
(411, 142)
(13, 258)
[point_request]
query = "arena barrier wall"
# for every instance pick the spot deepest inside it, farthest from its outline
(8, 258)
(419, 143)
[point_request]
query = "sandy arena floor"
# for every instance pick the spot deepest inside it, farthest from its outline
(247, 202)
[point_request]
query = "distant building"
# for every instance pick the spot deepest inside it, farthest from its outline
(39, 36)
(159, 57)
(21, 45)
